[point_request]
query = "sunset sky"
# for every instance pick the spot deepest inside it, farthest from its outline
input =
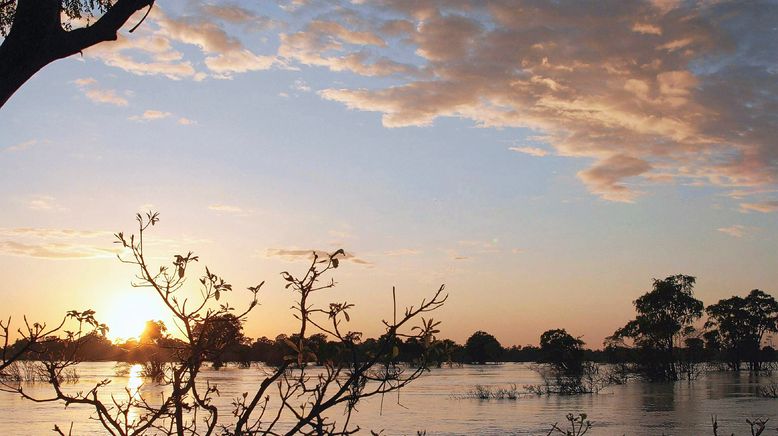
(544, 160)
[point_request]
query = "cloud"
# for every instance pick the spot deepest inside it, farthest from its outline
(50, 243)
(225, 208)
(736, 231)
(300, 85)
(237, 61)
(330, 44)
(106, 96)
(455, 255)
(232, 13)
(294, 254)
(42, 202)
(224, 54)
(647, 28)
(686, 89)
(150, 115)
(85, 82)
(155, 115)
(532, 151)
(146, 52)
(155, 48)
(764, 206)
(661, 92)
(402, 252)
(48, 233)
(21, 146)
(53, 250)
(605, 177)
(88, 86)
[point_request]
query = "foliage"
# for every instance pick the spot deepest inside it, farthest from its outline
(72, 11)
(769, 390)
(591, 378)
(481, 347)
(578, 425)
(739, 325)
(482, 392)
(663, 316)
(222, 332)
(562, 350)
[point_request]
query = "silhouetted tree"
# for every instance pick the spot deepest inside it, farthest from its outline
(216, 335)
(562, 350)
(712, 342)
(740, 324)
(448, 352)
(38, 32)
(264, 350)
(481, 347)
(662, 316)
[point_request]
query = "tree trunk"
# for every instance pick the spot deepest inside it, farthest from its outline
(37, 38)
(25, 50)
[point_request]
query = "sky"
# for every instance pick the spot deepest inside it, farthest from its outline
(543, 160)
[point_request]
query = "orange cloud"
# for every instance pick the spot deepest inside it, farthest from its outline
(150, 115)
(295, 254)
(764, 206)
(736, 231)
(99, 95)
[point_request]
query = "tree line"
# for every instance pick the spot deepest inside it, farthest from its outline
(661, 341)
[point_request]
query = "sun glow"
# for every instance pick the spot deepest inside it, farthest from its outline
(126, 314)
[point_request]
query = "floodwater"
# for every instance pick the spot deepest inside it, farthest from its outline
(435, 403)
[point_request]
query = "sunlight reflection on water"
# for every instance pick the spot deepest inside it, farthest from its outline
(134, 379)
(134, 382)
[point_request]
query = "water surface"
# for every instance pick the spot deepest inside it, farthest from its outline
(433, 403)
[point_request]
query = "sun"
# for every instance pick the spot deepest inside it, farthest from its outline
(127, 312)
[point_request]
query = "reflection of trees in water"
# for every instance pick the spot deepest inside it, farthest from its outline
(658, 397)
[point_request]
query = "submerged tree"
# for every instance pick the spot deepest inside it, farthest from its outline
(562, 350)
(740, 324)
(223, 332)
(289, 391)
(663, 316)
(481, 347)
(35, 34)
(563, 368)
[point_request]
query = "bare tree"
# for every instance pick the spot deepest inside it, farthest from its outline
(289, 390)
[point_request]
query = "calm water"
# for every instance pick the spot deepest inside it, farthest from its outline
(431, 404)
